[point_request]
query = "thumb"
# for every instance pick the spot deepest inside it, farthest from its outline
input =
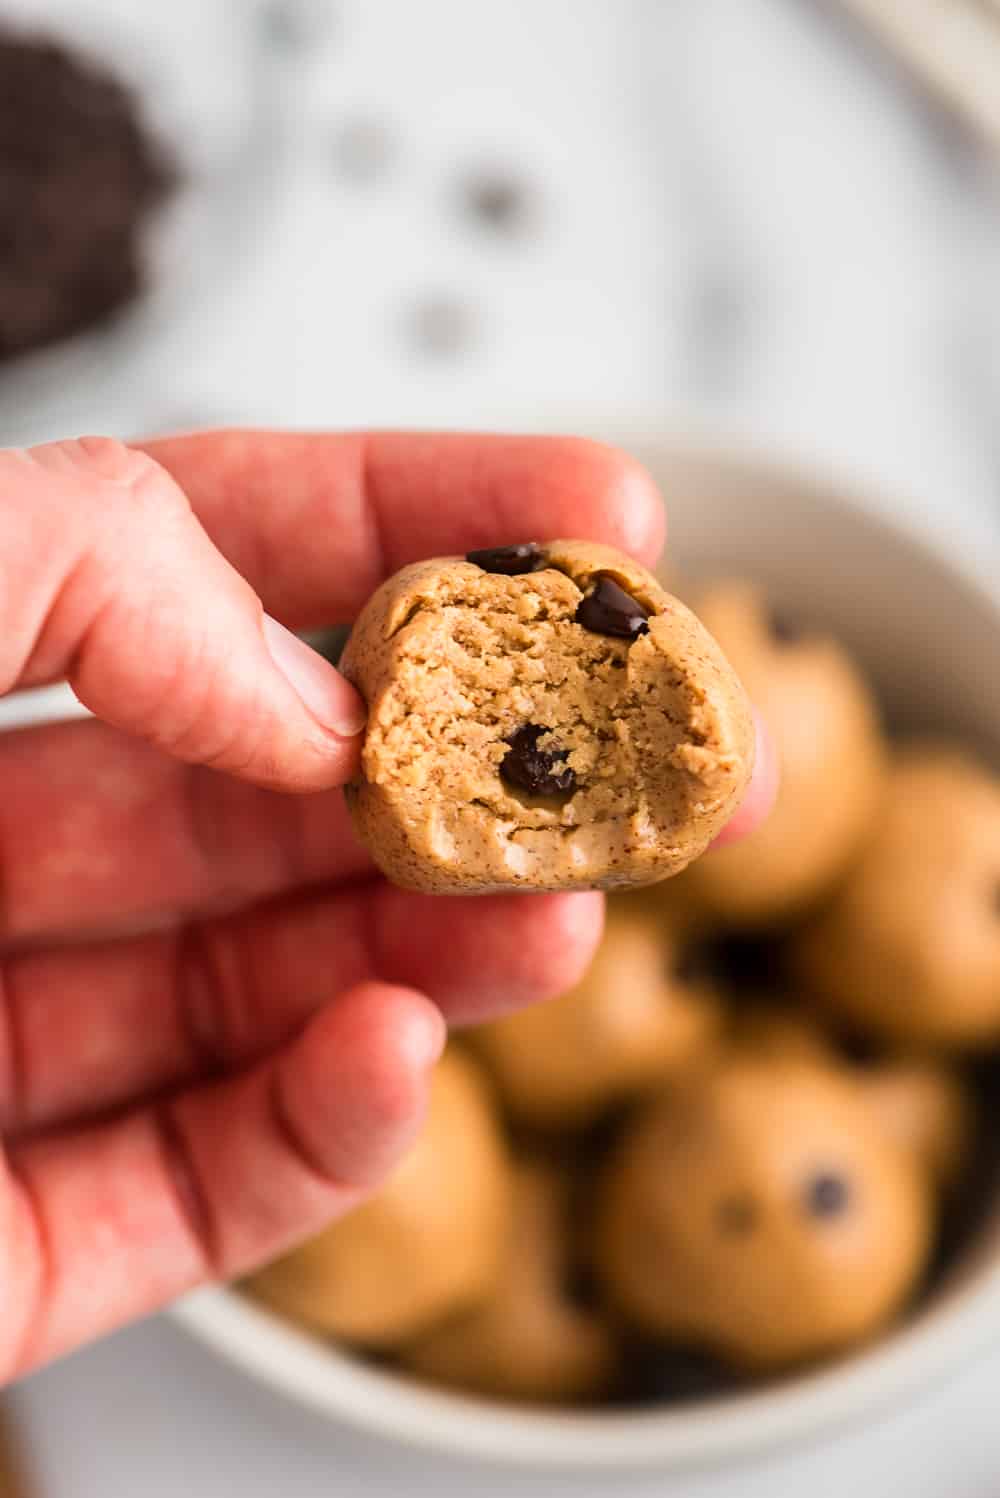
(107, 578)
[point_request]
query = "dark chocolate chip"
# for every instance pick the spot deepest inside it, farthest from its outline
(736, 1215)
(827, 1195)
(783, 630)
(540, 772)
(498, 201)
(511, 561)
(609, 610)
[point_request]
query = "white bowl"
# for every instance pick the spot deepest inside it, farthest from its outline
(929, 632)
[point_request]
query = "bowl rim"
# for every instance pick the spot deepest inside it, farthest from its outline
(332, 1382)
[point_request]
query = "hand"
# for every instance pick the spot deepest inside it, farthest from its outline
(216, 1023)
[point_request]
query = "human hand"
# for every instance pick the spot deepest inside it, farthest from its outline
(216, 1022)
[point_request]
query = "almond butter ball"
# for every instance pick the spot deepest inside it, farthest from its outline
(636, 1017)
(908, 949)
(430, 1242)
(824, 723)
(541, 717)
(763, 1214)
(528, 1340)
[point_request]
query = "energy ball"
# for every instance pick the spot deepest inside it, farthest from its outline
(908, 949)
(636, 1017)
(529, 1340)
(824, 724)
(762, 1214)
(541, 717)
(429, 1243)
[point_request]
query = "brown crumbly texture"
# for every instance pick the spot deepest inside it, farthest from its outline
(824, 724)
(909, 948)
(705, 1232)
(528, 1340)
(429, 1243)
(630, 1023)
(453, 660)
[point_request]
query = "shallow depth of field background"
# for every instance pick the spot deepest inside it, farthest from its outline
(723, 217)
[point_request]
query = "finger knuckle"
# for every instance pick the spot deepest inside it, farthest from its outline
(117, 475)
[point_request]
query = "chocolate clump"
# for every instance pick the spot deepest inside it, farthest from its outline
(609, 610)
(827, 1195)
(511, 561)
(540, 772)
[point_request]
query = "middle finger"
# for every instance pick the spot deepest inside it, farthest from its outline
(83, 1029)
(101, 834)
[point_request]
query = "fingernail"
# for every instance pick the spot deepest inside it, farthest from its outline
(424, 1038)
(324, 691)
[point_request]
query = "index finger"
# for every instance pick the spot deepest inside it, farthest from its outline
(314, 522)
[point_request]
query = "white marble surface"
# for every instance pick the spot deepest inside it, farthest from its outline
(742, 227)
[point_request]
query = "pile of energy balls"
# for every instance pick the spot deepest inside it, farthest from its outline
(747, 1141)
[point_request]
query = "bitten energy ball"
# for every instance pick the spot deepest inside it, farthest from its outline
(529, 1340)
(429, 1243)
(909, 948)
(541, 718)
(763, 1214)
(638, 1016)
(824, 724)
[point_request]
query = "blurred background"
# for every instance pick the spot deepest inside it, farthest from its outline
(771, 223)
(737, 215)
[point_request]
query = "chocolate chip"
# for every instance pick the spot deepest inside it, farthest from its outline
(827, 1195)
(784, 631)
(736, 1216)
(511, 561)
(609, 610)
(540, 772)
(498, 201)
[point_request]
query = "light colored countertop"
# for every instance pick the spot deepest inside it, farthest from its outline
(736, 224)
